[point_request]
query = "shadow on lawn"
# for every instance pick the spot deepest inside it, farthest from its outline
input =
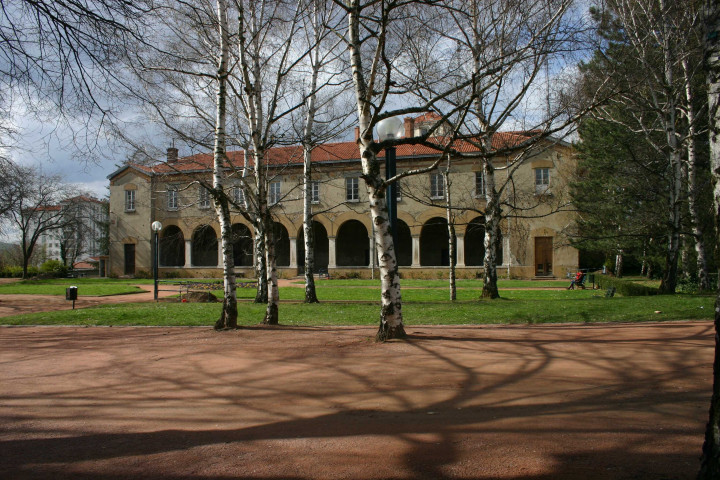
(437, 437)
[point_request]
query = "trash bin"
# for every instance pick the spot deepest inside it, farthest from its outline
(71, 293)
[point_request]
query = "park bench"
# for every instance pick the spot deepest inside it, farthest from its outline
(187, 286)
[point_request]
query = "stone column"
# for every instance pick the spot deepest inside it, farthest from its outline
(331, 253)
(293, 252)
(460, 250)
(188, 253)
(415, 251)
(220, 253)
(372, 252)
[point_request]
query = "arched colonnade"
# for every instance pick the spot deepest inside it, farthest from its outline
(345, 242)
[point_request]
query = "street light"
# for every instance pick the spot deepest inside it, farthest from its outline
(156, 227)
(389, 129)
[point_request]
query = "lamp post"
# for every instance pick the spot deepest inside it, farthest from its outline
(390, 129)
(156, 227)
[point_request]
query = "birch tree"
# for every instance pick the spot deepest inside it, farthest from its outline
(267, 60)
(375, 38)
(710, 460)
(452, 237)
(658, 35)
(228, 316)
(322, 58)
(509, 47)
(694, 182)
(182, 82)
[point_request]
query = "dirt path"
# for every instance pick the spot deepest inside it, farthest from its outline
(19, 304)
(532, 402)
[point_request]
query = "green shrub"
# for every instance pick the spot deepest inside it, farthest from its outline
(143, 274)
(172, 274)
(11, 271)
(626, 288)
(54, 268)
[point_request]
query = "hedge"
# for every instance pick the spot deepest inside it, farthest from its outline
(626, 288)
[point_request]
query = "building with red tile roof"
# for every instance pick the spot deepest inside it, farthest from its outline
(168, 191)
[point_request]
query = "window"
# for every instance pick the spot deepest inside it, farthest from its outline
(542, 180)
(274, 193)
(437, 187)
(239, 196)
(172, 198)
(352, 189)
(129, 200)
(315, 192)
(479, 184)
(204, 197)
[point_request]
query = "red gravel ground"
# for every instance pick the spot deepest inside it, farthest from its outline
(537, 402)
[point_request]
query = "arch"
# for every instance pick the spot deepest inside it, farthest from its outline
(343, 218)
(242, 242)
(324, 221)
(434, 250)
(429, 213)
(475, 244)
(320, 247)
(204, 247)
(352, 245)
(404, 244)
(172, 247)
(287, 223)
(410, 222)
(282, 245)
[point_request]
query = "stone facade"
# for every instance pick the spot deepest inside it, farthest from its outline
(532, 246)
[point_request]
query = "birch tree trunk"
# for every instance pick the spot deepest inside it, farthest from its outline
(271, 312)
(692, 182)
(669, 280)
(492, 231)
(710, 461)
(619, 264)
(391, 322)
(452, 238)
(260, 269)
(310, 293)
(228, 316)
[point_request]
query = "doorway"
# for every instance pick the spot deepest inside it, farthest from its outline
(129, 259)
(543, 256)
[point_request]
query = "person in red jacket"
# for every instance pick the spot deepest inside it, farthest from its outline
(579, 276)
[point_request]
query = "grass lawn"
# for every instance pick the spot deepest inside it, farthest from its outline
(356, 302)
(516, 307)
(86, 287)
(460, 283)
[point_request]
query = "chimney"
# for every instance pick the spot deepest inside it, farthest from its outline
(172, 155)
(357, 133)
(409, 127)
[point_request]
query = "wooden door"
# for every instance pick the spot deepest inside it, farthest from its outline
(543, 256)
(129, 259)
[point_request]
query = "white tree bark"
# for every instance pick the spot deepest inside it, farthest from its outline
(692, 181)
(391, 322)
(710, 461)
(228, 317)
(451, 233)
(310, 293)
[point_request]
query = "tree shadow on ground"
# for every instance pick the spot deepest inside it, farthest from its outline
(437, 437)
